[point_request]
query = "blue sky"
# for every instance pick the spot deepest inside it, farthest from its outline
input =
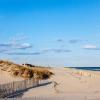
(50, 32)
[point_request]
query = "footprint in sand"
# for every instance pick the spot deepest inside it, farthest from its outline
(55, 85)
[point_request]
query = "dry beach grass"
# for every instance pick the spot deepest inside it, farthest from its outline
(25, 71)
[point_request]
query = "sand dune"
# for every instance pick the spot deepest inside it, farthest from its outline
(5, 77)
(71, 84)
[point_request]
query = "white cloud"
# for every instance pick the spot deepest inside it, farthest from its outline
(22, 46)
(90, 47)
(16, 45)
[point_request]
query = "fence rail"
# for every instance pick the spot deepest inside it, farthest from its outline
(17, 86)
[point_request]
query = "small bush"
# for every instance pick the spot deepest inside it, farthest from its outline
(25, 71)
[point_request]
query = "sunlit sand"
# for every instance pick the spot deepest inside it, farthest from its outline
(72, 84)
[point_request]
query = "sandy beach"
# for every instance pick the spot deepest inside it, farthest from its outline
(5, 77)
(67, 83)
(72, 84)
(50, 49)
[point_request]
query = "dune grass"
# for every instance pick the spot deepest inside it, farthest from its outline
(25, 71)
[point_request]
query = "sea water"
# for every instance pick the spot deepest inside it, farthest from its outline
(88, 68)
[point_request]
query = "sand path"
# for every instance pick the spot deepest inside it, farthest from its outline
(70, 85)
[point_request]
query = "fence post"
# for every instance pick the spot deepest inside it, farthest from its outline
(16, 86)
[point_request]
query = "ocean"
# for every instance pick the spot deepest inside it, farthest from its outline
(88, 68)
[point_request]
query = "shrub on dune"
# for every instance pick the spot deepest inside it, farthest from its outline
(25, 71)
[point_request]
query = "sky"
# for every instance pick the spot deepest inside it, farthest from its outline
(50, 32)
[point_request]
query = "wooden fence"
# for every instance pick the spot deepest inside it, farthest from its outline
(55, 98)
(17, 86)
(36, 98)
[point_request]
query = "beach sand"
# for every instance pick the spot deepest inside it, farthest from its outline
(5, 77)
(72, 84)
(67, 83)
